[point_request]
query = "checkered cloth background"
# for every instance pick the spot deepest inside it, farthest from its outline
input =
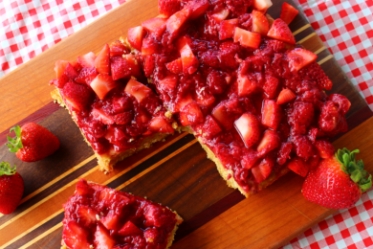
(29, 27)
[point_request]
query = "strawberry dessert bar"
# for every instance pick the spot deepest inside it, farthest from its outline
(225, 72)
(117, 113)
(99, 217)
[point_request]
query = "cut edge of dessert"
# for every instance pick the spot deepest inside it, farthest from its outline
(97, 216)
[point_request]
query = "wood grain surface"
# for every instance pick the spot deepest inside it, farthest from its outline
(175, 172)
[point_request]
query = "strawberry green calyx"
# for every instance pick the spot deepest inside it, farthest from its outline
(354, 168)
(6, 169)
(15, 143)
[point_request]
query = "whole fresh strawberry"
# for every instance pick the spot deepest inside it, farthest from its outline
(32, 142)
(338, 181)
(11, 188)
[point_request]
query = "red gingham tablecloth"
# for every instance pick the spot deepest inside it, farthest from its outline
(29, 27)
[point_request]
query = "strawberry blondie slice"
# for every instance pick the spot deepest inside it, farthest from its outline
(99, 217)
(109, 99)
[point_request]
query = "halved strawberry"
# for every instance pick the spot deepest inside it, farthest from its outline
(77, 96)
(260, 22)
(137, 90)
(160, 124)
(129, 229)
(270, 141)
(188, 60)
(175, 66)
(102, 84)
(279, 30)
(299, 58)
(102, 238)
(285, 96)
(248, 127)
(87, 60)
(226, 28)
(74, 236)
(102, 61)
(135, 36)
(262, 5)
(288, 12)
(246, 38)
(298, 166)
(271, 114)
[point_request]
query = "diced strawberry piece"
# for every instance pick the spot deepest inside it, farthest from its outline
(133, 64)
(263, 170)
(175, 66)
(160, 124)
(299, 58)
(86, 75)
(227, 27)
(262, 5)
(270, 141)
(82, 188)
(122, 68)
(151, 235)
(182, 101)
(188, 60)
(74, 236)
(117, 48)
(301, 116)
(226, 112)
(137, 90)
(270, 87)
(221, 14)
(87, 60)
(204, 98)
(135, 36)
(298, 166)
(197, 8)
(102, 84)
(77, 96)
(102, 238)
(149, 45)
(246, 85)
(148, 65)
(260, 22)
(324, 148)
(315, 72)
(176, 21)
(284, 152)
(249, 159)
(155, 25)
(288, 12)
(285, 96)
(59, 68)
(64, 71)
(100, 115)
(87, 215)
(210, 128)
(271, 114)
(111, 220)
(168, 7)
(102, 61)
(246, 38)
(248, 127)
(341, 101)
(129, 229)
(167, 84)
(303, 147)
(227, 53)
(279, 30)
(191, 114)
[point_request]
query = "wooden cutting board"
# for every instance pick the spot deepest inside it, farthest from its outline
(175, 172)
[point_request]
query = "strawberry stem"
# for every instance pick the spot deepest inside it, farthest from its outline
(354, 168)
(15, 143)
(6, 169)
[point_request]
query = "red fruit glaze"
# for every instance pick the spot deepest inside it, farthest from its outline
(106, 218)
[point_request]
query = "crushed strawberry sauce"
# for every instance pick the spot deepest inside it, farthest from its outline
(99, 217)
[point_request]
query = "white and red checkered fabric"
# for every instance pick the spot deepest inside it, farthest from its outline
(29, 27)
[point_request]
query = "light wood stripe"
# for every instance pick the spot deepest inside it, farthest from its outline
(165, 159)
(320, 50)
(307, 37)
(41, 236)
(301, 29)
(325, 59)
(30, 229)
